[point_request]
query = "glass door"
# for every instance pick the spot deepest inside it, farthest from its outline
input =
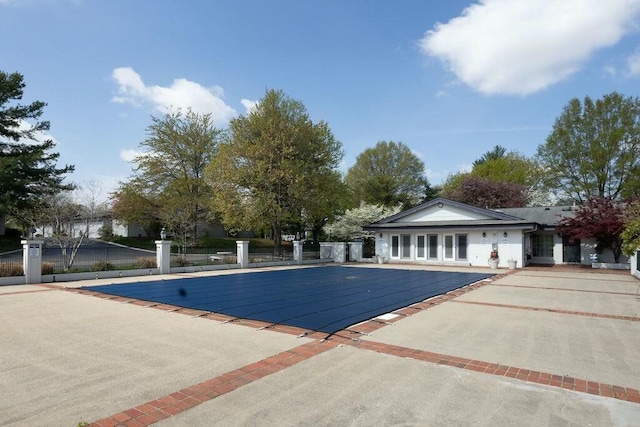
(448, 247)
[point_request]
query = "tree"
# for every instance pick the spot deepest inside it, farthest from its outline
(593, 150)
(507, 172)
(431, 192)
(631, 233)
(325, 201)
(498, 152)
(599, 218)
(169, 174)
(485, 193)
(349, 225)
(274, 166)
(62, 219)
(512, 167)
(388, 174)
(135, 205)
(27, 168)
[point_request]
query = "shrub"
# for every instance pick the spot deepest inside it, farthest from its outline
(11, 269)
(147, 262)
(180, 261)
(47, 268)
(102, 266)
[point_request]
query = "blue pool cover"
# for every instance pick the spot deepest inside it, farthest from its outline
(326, 299)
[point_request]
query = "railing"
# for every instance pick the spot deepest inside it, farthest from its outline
(196, 255)
(11, 263)
(96, 258)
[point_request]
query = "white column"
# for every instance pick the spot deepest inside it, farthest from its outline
(297, 251)
(326, 250)
(163, 256)
(355, 251)
(32, 260)
(243, 253)
(339, 251)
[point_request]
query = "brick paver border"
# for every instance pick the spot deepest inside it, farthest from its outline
(505, 285)
(551, 310)
(560, 381)
(175, 403)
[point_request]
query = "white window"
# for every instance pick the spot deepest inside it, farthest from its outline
(542, 245)
(461, 246)
(448, 247)
(420, 247)
(395, 246)
(433, 246)
(406, 246)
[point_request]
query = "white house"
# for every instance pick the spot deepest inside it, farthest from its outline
(443, 231)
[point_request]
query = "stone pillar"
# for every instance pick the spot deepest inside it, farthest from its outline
(163, 256)
(339, 251)
(326, 250)
(355, 251)
(243, 253)
(382, 249)
(297, 251)
(32, 260)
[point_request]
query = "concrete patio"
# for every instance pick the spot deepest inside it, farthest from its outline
(533, 347)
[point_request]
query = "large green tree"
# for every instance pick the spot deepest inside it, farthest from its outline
(134, 203)
(485, 193)
(593, 150)
(631, 233)
(505, 173)
(275, 166)
(28, 168)
(388, 174)
(169, 174)
(497, 152)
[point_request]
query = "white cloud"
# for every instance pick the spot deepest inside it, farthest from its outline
(181, 94)
(611, 71)
(249, 105)
(633, 65)
(38, 137)
(129, 155)
(521, 47)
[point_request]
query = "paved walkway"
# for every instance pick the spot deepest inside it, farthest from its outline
(536, 347)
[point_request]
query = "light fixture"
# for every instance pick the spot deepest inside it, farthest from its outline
(484, 234)
(440, 204)
(505, 235)
(163, 234)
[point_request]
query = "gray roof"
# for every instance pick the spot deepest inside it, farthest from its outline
(537, 217)
(495, 214)
(543, 215)
(477, 223)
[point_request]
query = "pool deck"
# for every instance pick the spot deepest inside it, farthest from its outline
(538, 346)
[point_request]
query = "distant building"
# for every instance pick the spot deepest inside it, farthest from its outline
(445, 232)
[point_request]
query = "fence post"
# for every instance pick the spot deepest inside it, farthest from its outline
(243, 253)
(297, 251)
(163, 256)
(32, 260)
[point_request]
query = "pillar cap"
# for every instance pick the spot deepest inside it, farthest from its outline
(29, 241)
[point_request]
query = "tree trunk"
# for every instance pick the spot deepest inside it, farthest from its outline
(277, 238)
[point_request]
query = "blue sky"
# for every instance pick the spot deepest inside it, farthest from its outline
(449, 78)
